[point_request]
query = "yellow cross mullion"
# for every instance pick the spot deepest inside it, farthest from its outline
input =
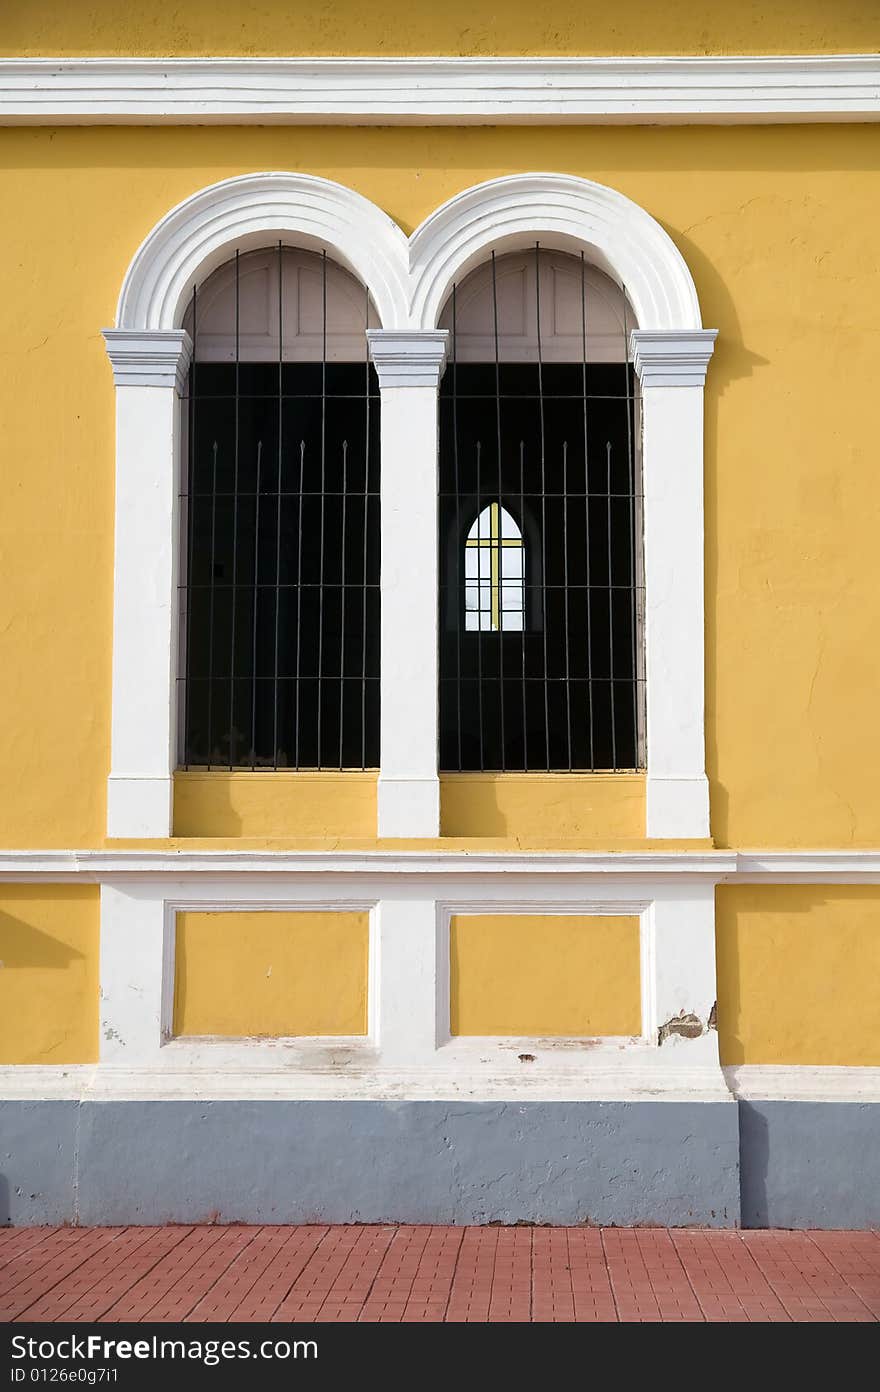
(494, 541)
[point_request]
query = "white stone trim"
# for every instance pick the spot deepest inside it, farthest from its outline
(747, 1083)
(564, 211)
(409, 357)
(739, 867)
(254, 210)
(763, 1082)
(149, 359)
(149, 370)
(672, 368)
(252, 1080)
(408, 1023)
(409, 280)
(409, 365)
(437, 90)
(98, 866)
(676, 359)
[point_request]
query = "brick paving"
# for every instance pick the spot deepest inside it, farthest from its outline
(397, 1273)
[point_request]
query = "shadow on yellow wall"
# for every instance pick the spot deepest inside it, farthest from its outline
(49, 943)
(798, 968)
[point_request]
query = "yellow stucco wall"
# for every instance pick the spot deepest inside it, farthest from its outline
(458, 26)
(778, 227)
(48, 973)
(276, 804)
(547, 807)
(552, 975)
(262, 973)
(798, 973)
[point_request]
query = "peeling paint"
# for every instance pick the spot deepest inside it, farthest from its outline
(686, 1026)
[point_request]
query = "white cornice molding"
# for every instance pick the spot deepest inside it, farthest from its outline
(408, 358)
(438, 90)
(141, 359)
(744, 867)
(672, 359)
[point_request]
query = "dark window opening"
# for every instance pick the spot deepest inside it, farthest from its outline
(559, 685)
(280, 602)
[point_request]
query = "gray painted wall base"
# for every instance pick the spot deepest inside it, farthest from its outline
(348, 1162)
(810, 1164)
(677, 1164)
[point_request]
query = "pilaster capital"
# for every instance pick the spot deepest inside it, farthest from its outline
(408, 357)
(149, 358)
(672, 358)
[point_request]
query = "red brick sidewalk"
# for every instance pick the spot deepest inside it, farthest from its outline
(436, 1273)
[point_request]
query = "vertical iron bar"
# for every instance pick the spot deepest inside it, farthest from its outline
(460, 566)
(610, 607)
(299, 549)
(190, 523)
(278, 505)
(234, 529)
(587, 580)
(631, 484)
(522, 517)
(342, 605)
(565, 592)
(479, 550)
(256, 580)
(323, 485)
(543, 499)
(366, 539)
(211, 607)
(500, 514)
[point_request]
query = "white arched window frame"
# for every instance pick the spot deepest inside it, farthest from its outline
(409, 281)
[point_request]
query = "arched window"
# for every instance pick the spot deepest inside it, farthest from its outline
(541, 661)
(494, 569)
(280, 519)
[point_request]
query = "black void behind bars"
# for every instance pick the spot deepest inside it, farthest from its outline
(280, 515)
(554, 445)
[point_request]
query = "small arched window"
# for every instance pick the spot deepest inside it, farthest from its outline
(494, 569)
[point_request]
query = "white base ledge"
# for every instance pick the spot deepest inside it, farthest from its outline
(139, 807)
(409, 807)
(32, 1082)
(677, 808)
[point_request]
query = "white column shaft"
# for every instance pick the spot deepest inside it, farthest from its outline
(148, 371)
(409, 367)
(672, 368)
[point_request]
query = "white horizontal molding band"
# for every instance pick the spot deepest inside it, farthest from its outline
(793, 1083)
(803, 1083)
(747, 867)
(421, 91)
(106, 865)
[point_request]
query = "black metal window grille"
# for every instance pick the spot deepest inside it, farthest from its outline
(280, 522)
(541, 664)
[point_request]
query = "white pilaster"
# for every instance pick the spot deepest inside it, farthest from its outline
(149, 369)
(137, 975)
(678, 975)
(409, 366)
(407, 998)
(672, 368)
